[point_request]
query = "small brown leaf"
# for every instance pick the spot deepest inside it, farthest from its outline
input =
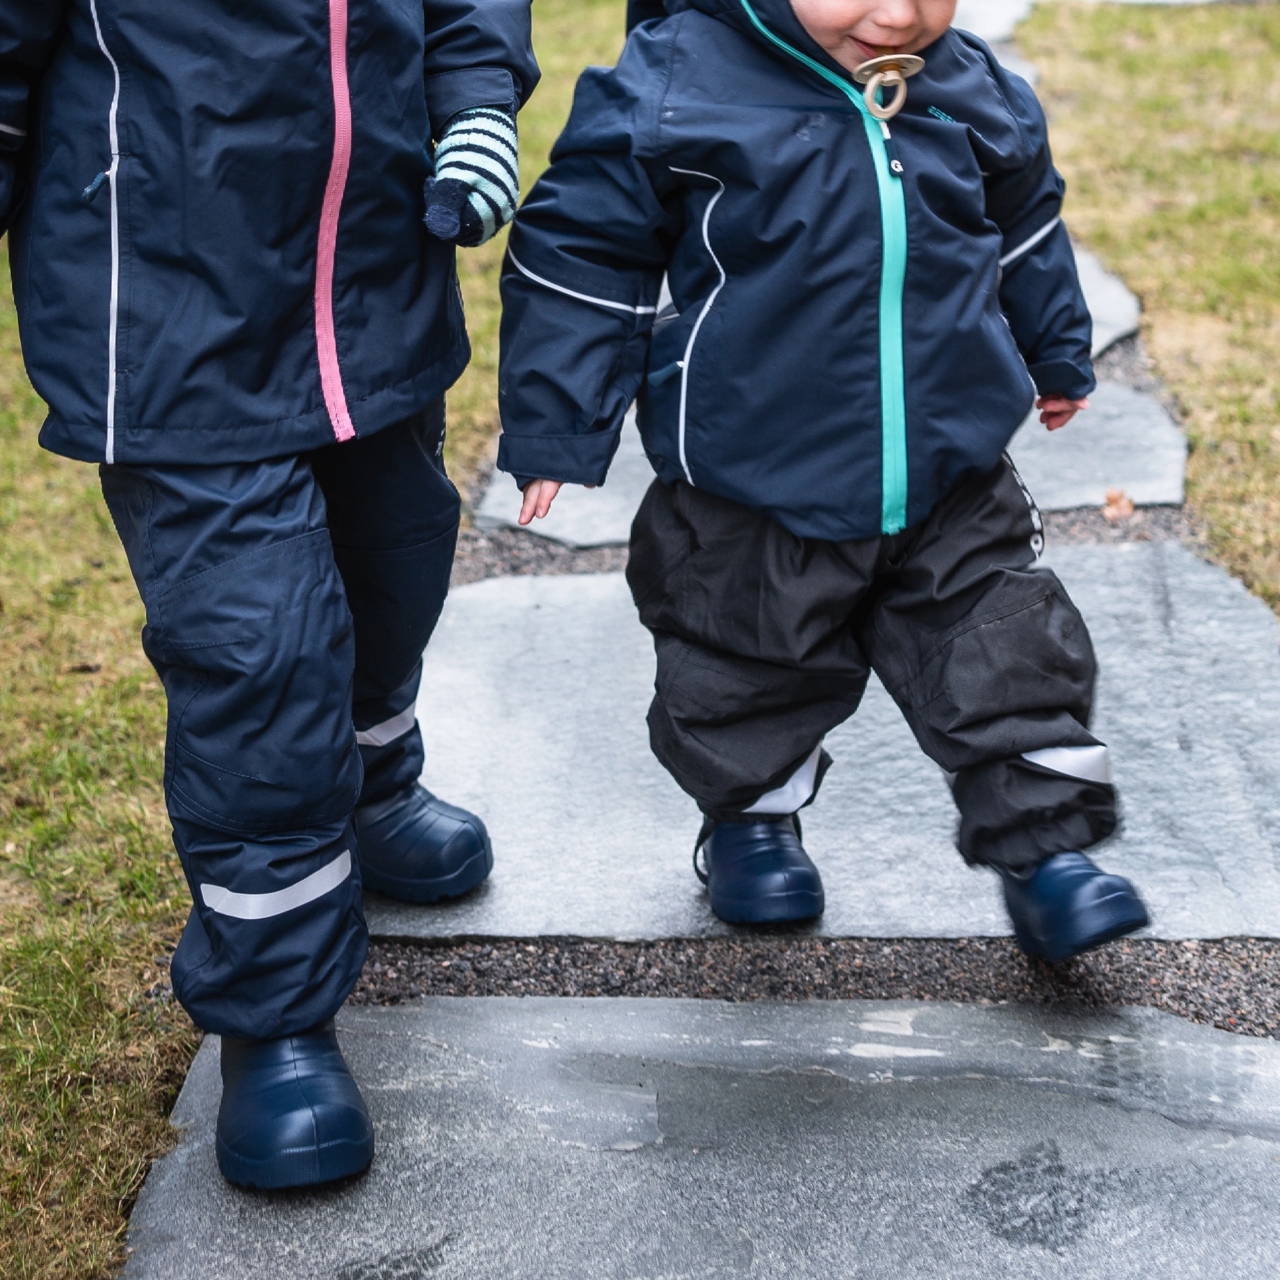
(1118, 508)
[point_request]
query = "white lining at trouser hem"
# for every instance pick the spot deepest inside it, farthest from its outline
(113, 136)
(379, 735)
(1089, 764)
(262, 906)
(795, 793)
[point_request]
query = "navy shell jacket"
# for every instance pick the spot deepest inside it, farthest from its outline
(215, 214)
(857, 320)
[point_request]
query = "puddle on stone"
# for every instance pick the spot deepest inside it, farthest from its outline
(1036, 1199)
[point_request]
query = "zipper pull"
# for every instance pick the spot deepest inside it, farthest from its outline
(891, 151)
(93, 188)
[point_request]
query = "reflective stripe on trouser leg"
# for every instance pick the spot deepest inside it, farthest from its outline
(277, 936)
(249, 631)
(393, 516)
(795, 793)
(391, 746)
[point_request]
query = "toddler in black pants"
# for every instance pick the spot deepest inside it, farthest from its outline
(858, 217)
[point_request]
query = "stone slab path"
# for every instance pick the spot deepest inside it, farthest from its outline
(540, 686)
(1126, 440)
(540, 1138)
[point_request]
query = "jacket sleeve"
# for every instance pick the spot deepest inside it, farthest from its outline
(583, 272)
(479, 53)
(1039, 289)
(27, 34)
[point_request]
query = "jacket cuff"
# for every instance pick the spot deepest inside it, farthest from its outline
(449, 92)
(569, 459)
(1063, 378)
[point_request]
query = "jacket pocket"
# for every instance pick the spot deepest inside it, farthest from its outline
(658, 403)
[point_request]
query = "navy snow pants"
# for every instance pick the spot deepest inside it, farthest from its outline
(288, 605)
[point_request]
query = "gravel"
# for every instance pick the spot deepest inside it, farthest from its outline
(1232, 984)
(511, 552)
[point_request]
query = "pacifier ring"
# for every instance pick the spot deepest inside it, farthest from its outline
(889, 71)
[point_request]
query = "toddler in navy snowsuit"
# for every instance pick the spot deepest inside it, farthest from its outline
(862, 312)
(229, 300)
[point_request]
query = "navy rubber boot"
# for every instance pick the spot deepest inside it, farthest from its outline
(415, 848)
(759, 873)
(291, 1114)
(1067, 905)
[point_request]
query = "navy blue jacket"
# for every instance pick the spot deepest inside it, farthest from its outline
(847, 339)
(215, 214)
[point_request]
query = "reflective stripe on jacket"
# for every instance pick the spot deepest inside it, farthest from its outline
(846, 340)
(215, 214)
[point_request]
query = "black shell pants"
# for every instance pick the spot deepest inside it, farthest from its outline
(288, 604)
(765, 642)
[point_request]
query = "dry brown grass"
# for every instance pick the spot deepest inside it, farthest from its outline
(1166, 123)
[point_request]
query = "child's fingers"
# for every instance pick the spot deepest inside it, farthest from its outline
(529, 507)
(538, 496)
(548, 492)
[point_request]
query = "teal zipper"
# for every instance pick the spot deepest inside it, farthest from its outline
(893, 274)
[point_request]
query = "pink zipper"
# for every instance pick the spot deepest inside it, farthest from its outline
(335, 397)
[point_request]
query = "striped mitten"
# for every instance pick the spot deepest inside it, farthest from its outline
(477, 180)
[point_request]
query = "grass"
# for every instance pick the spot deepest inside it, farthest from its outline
(90, 891)
(92, 1052)
(568, 35)
(1166, 124)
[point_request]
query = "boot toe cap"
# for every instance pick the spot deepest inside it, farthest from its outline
(417, 848)
(1070, 906)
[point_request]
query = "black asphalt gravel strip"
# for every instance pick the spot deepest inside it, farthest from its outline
(1232, 984)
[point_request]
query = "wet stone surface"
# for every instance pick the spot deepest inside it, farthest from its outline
(637, 1139)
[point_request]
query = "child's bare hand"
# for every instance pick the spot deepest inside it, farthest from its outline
(538, 497)
(1057, 411)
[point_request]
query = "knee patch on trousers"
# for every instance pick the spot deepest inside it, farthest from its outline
(257, 659)
(1016, 675)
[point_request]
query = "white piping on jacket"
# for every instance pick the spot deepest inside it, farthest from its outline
(581, 297)
(113, 328)
(702, 315)
(17, 133)
(262, 906)
(378, 735)
(1090, 764)
(1029, 243)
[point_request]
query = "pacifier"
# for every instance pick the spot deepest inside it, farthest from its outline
(889, 71)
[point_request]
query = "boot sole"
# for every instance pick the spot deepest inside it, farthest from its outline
(1120, 925)
(423, 892)
(781, 908)
(298, 1166)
